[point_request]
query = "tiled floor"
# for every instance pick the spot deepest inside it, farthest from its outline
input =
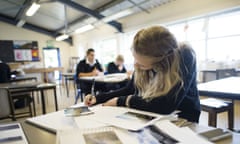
(64, 101)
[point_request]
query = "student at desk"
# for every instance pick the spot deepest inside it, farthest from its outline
(164, 79)
(116, 67)
(89, 67)
(5, 72)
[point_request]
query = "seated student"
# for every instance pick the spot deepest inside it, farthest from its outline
(89, 67)
(117, 66)
(5, 72)
(5, 76)
(164, 79)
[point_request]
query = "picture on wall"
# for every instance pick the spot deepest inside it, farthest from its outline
(25, 50)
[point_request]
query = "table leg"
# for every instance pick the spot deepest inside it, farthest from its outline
(66, 85)
(55, 98)
(43, 102)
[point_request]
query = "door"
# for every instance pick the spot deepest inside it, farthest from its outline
(52, 59)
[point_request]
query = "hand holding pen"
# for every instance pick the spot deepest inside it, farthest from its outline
(89, 100)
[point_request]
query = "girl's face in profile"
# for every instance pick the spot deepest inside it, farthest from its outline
(142, 62)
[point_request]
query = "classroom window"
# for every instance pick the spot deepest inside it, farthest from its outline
(106, 51)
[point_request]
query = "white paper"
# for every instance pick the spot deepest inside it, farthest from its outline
(54, 121)
(124, 117)
(213, 102)
(185, 135)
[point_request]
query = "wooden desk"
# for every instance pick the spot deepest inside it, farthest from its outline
(44, 71)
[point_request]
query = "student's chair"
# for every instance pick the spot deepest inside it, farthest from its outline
(7, 107)
(210, 105)
(228, 106)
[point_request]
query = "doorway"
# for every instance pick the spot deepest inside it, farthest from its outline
(52, 59)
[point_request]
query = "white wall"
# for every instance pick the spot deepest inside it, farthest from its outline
(10, 32)
(174, 11)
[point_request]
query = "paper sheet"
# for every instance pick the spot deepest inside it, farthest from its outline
(54, 121)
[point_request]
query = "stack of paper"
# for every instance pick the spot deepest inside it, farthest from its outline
(163, 132)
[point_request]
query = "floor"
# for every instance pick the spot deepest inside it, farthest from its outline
(64, 102)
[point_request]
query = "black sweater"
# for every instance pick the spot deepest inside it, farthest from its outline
(187, 100)
(113, 68)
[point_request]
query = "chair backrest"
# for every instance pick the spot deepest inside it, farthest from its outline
(5, 106)
(224, 73)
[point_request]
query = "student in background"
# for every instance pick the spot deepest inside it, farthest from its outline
(89, 67)
(164, 79)
(5, 72)
(117, 66)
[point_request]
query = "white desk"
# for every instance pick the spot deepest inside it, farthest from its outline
(58, 121)
(109, 78)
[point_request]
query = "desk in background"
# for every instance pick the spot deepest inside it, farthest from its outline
(210, 75)
(101, 81)
(31, 87)
(43, 71)
(22, 78)
(227, 88)
(68, 77)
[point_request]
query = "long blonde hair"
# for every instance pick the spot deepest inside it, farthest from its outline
(159, 45)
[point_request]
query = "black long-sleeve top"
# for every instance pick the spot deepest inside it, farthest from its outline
(113, 68)
(187, 100)
(5, 73)
(85, 68)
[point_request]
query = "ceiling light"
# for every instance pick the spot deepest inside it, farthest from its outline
(84, 28)
(21, 23)
(118, 15)
(62, 37)
(33, 9)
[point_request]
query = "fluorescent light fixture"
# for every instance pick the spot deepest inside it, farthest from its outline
(118, 15)
(21, 23)
(84, 28)
(62, 37)
(33, 9)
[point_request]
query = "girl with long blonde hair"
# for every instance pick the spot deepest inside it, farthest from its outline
(164, 79)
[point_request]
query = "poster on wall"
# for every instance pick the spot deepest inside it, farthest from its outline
(25, 50)
(19, 50)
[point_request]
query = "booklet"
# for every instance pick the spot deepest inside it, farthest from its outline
(12, 133)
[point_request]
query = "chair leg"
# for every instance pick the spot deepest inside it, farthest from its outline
(79, 94)
(231, 119)
(212, 119)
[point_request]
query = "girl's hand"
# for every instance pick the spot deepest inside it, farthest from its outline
(90, 100)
